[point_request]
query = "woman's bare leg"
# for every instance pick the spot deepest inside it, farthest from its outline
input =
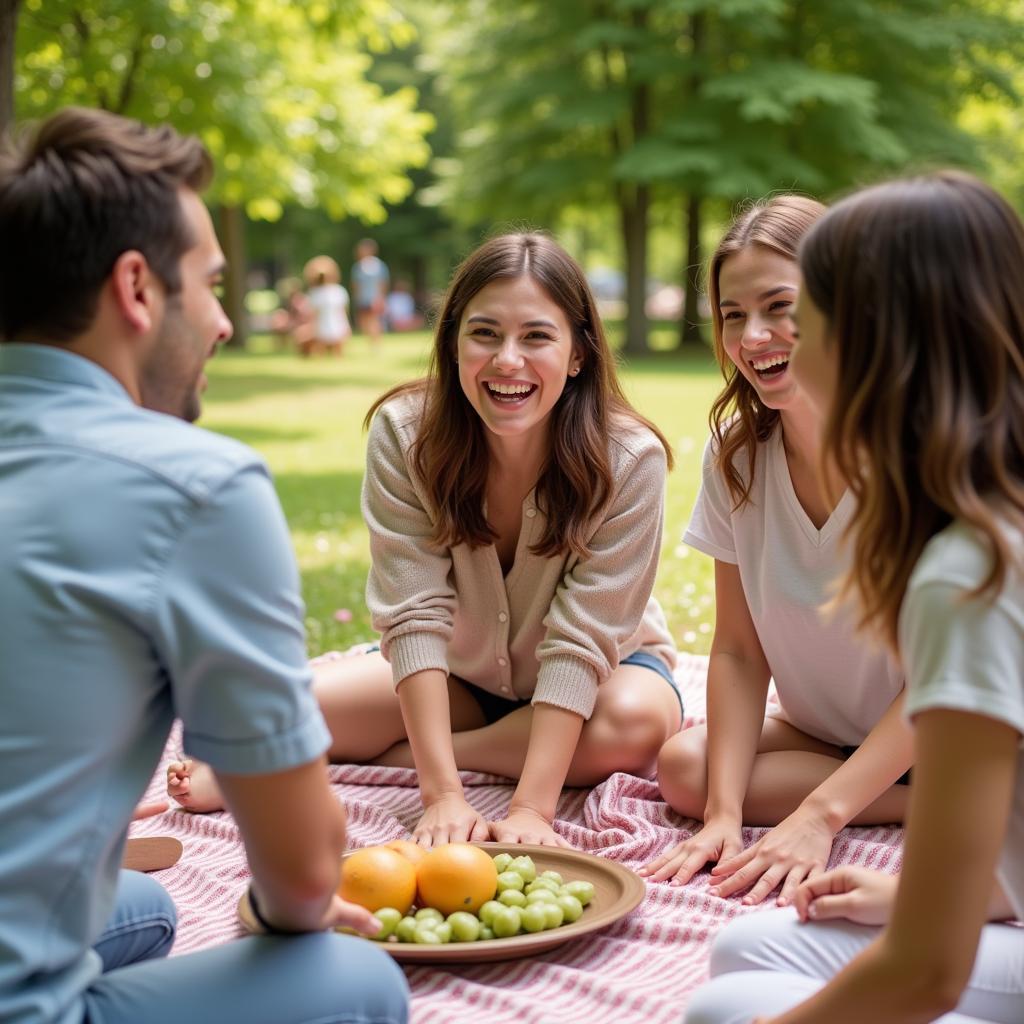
(789, 765)
(636, 712)
(360, 706)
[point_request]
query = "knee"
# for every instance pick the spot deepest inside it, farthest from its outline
(682, 774)
(627, 735)
(370, 981)
(753, 942)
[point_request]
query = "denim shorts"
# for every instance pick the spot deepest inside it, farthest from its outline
(495, 707)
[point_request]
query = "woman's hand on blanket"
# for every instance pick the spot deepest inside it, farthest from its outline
(526, 826)
(856, 894)
(718, 841)
(449, 819)
(796, 850)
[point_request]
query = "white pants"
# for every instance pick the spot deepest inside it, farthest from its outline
(766, 962)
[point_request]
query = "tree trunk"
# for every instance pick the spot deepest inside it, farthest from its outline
(689, 328)
(8, 26)
(232, 240)
(420, 288)
(633, 213)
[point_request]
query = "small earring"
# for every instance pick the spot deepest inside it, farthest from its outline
(574, 371)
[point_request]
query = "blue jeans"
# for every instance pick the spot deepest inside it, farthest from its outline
(320, 978)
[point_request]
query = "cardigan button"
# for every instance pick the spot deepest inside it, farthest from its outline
(530, 513)
(502, 662)
(502, 617)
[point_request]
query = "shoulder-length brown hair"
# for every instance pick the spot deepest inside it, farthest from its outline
(451, 454)
(921, 283)
(739, 420)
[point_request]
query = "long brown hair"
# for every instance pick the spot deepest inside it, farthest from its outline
(921, 283)
(739, 420)
(451, 454)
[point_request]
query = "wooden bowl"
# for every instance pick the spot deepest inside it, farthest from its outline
(617, 891)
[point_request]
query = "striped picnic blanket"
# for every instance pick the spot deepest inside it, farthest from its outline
(643, 968)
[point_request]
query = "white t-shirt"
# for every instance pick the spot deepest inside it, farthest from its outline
(330, 301)
(969, 656)
(831, 682)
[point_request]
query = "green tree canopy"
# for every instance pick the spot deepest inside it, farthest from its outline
(277, 90)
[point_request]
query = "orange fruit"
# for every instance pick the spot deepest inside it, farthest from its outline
(377, 877)
(408, 849)
(457, 876)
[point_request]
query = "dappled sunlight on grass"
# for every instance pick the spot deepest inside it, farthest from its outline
(305, 417)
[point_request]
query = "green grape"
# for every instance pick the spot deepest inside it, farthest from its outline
(543, 883)
(389, 918)
(506, 922)
(554, 876)
(541, 896)
(486, 932)
(426, 936)
(425, 914)
(533, 918)
(443, 931)
(510, 880)
(583, 891)
(524, 866)
(571, 908)
(465, 927)
(406, 929)
(502, 861)
(553, 915)
(487, 911)
(512, 898)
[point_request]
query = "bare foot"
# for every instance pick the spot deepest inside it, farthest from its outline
(191, 784)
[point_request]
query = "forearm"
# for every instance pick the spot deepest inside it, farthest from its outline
(885, 754)
(294, 834)
(423, 698)
(554, 735)
(737, 690)
(880, 985)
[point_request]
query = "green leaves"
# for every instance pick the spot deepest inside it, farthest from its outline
(277, 90)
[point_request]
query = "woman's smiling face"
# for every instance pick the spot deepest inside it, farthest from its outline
(757, 290)
(515, 354)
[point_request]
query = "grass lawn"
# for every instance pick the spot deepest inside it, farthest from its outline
(305, 417)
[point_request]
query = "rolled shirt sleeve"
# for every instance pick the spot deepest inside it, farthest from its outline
(409, 590)
(229, 633)
(602, 599)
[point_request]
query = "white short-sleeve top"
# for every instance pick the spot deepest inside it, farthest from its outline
(968, 655)
(832, 683)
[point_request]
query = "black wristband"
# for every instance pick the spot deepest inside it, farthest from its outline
(267, 927)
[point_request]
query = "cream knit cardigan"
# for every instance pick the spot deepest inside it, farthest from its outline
(554, 628)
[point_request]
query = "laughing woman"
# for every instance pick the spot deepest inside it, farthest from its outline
(831, 752)
(515, 503)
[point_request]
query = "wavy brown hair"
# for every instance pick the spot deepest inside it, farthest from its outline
(451, 454)
(921, 283)
(739, 420)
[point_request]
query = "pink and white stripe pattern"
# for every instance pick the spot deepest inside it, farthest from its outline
(641, 969)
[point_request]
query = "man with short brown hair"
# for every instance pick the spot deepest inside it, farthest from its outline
(148, 575)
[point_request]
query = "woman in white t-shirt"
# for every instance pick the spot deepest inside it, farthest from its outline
(912, 344)
(832, 752)
(329, 301)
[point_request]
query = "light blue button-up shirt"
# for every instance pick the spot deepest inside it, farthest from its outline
(146, 573)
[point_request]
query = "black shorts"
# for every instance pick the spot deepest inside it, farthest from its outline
(903, 780)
